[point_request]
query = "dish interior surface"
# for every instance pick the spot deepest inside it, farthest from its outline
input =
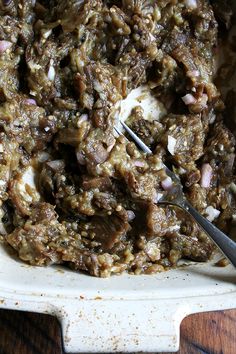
(190, 279)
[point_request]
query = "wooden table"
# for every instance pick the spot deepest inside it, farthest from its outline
(28, 333)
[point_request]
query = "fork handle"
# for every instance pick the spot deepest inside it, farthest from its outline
(227, 246)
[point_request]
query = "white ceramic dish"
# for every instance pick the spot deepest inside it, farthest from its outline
(120, 314)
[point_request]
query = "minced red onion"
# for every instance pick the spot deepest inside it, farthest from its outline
(157, 196)
(30, 101)
(110, 147)
(55, 164)
(212, 213)
(211, 117)
(94, 258)
(189, 99)
(191, 4)
(16, 122)
(206, 175)
(4, 45)
(80, 158)
(82, 118)
(131, 215)
(43, 156)
(139, 163)
(47, 34)
(167, 183)
(171, 144)
(193, 73)
(51, 72)
(152, 38)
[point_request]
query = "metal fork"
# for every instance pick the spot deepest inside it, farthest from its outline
(176, 197)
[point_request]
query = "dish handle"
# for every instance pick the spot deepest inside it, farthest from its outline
(90, 326)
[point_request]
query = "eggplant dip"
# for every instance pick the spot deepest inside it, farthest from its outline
(73, 192)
